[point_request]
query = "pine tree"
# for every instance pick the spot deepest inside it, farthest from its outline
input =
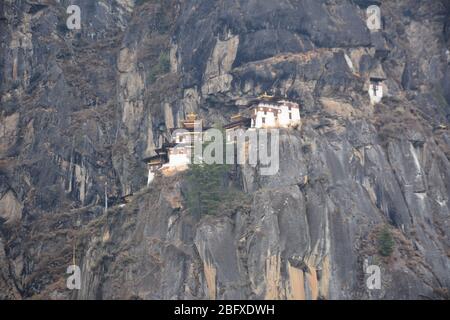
(207, 185)
(385, 242)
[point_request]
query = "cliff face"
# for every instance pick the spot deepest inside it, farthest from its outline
(82, 108)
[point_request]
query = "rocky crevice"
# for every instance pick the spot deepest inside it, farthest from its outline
(80, 109)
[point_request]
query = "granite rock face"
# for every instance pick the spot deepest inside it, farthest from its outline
(79, 109)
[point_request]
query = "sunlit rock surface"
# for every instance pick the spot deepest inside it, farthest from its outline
(80, 109)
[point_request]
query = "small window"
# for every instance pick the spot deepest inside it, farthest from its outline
(290, 108)
(290, 116)
(265, 112)
(263, 120)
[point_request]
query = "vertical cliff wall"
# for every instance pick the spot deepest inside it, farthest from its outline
(79, 110)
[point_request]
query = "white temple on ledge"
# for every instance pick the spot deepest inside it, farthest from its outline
(264, 112)
(175, 156)
(271, 113)
(376, 90)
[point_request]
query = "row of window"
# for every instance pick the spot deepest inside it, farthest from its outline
(265, 111)
(264, 119)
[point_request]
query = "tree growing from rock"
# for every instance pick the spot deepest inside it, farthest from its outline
(385, 242)
(207, 185)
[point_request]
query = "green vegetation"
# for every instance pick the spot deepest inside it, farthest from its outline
(161, 67)
(385, 242)
(208, 190)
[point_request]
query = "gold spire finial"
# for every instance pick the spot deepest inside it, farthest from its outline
(191, 116)
(191, 121)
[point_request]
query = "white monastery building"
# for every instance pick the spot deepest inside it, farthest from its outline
(268, 113)
(176, 155)
(180, 152)
(264, 112)
(376, 90)
(179, 157)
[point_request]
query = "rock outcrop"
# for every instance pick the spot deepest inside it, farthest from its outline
(80, 109)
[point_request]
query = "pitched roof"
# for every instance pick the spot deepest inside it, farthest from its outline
(241, 121)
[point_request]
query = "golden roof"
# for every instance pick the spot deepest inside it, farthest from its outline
(237, 117)
(191, 121)
(191, 117)
(155, 161)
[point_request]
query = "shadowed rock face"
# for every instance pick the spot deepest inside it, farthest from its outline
(79, 109)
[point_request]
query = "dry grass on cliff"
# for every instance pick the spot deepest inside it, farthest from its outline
(392, 123)
(403, 249)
